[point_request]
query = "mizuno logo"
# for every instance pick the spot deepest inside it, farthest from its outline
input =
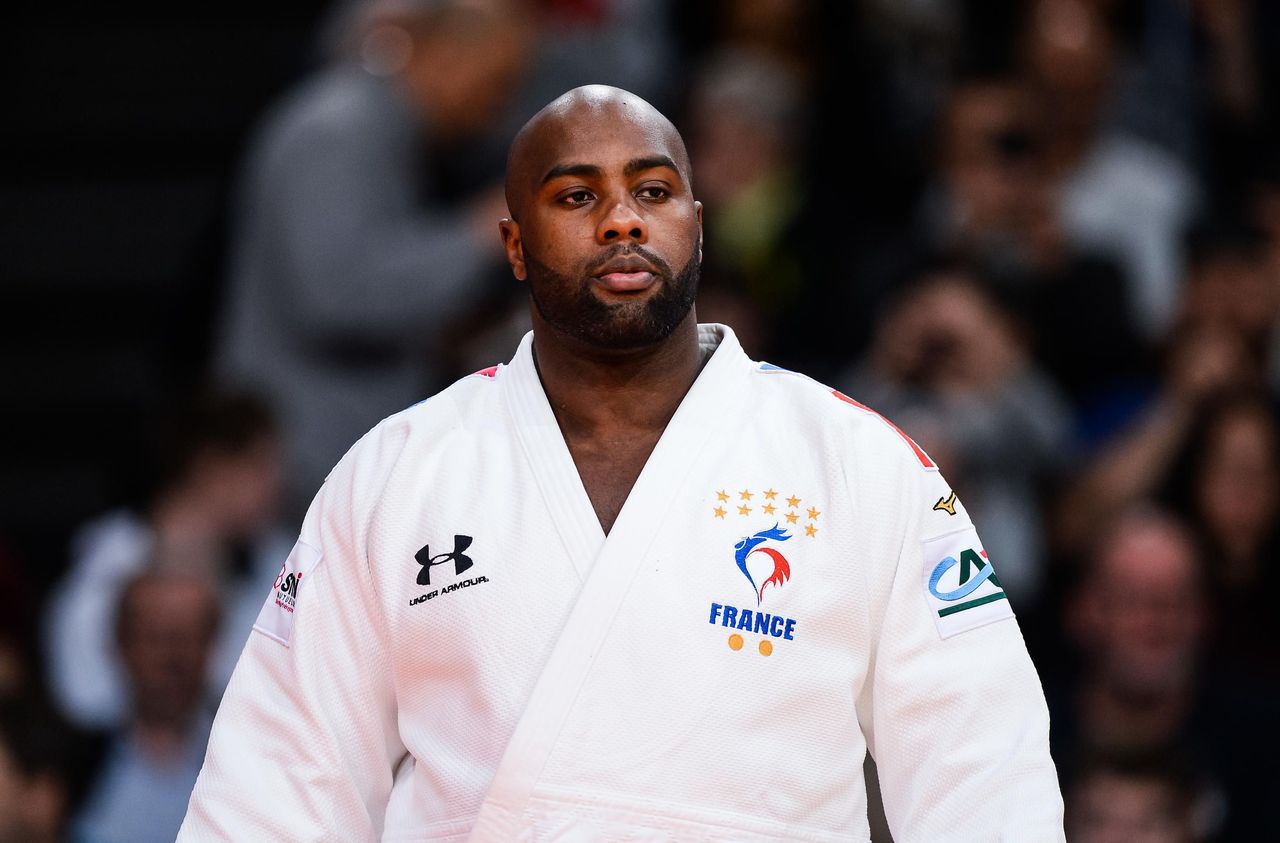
(947, 505)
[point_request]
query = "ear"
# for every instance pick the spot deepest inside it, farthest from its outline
(697, 211)
(511, 242)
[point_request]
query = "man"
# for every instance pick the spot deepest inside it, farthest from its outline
(212, 509)
(523, 609)
(365, 222)
(1147, 686)
(167, 624)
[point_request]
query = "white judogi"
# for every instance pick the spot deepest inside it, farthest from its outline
(565, 685)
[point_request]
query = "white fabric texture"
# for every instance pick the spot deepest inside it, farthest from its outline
(583, 687)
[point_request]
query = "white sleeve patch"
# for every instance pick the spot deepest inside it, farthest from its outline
(276, 618)
(960, 583)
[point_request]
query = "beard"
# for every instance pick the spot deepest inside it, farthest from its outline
(571, 306)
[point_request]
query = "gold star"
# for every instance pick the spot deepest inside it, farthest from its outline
(813, 514)
(769, 508)
(744, 510)
(745, 495)
(793, 501)
(770, 494)
(721, 495)
(791, 517)
(810, 530)
(719, 511)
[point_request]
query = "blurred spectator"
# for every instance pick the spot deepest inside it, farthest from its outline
(950, 368)
(746, 127)
(1230, 286)
(1139, 619)
(166, 625)
(1118, 194)
(214, 508)
(1264, 212)
(1202, 361)
(1143, 799)
(1224, 340)
(39, 781)
(368, 221)
(1226, 483)
(776, 28)
(636, 35)
(993, 202)
(367, 269)
(1234, 38)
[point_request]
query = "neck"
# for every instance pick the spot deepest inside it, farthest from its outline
(594, 391)
(1128, 720)
(162, 738)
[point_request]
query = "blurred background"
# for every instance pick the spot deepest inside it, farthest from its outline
(1041, 235)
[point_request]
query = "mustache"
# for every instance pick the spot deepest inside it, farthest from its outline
(627, 250)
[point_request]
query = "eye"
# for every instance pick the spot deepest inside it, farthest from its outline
(577, 198)
(654, 192)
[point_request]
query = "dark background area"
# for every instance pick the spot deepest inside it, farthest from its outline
(122, 133)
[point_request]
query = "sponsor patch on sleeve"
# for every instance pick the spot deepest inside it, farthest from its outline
(276, 618)
(960, 583)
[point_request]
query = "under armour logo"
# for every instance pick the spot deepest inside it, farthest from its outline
(461, 562)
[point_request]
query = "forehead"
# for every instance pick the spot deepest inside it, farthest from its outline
(1153, 562)
(606, 136)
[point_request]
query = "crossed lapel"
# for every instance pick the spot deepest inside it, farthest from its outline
(607, 566)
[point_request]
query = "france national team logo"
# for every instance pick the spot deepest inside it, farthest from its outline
(751, 545)
(760, 561)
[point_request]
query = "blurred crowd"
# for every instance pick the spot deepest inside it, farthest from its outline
(1043, 237)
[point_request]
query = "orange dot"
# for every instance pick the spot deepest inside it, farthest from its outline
(735, 642)
(766, 648)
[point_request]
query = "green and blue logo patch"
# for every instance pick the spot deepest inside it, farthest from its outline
(961, 585)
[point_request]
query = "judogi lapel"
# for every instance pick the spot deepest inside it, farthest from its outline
(608, 565)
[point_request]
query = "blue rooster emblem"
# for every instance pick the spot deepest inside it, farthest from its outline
(750, 545)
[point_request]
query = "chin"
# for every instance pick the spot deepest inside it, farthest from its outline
(615, 321)
(625, 334)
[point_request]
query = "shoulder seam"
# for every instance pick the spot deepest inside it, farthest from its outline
(923, 458)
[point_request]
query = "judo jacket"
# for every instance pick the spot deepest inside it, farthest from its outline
(455, 650)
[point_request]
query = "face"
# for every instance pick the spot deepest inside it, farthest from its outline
(1148, 612)
(164, 643)
(1113, 809)
(990, 161)
(1238, 483)
(606, 231)
(1070, 48)
(463, 66)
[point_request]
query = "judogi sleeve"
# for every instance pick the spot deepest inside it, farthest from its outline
(953, 710)
(305, 740)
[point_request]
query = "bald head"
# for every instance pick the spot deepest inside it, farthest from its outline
(551, 143)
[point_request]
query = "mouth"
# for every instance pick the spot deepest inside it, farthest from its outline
(625, 276)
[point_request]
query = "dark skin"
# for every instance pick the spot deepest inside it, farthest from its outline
(596, 181)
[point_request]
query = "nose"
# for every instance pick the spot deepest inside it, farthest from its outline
(623, 221)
